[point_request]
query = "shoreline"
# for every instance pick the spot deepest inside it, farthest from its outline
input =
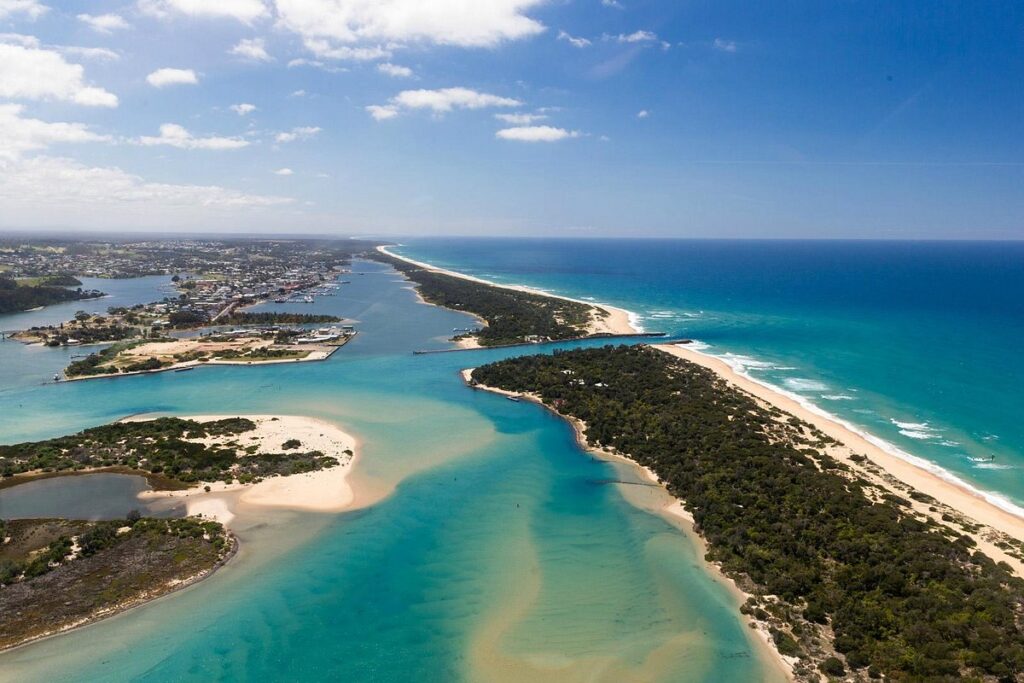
(326, 490)
(672, 512)
(889, 469)
(139, 601)
(313, 357)
(619, 321)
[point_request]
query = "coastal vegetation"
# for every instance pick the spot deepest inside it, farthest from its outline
(513, 317)
(847, 577)
(276, 318)
(57, 573)
(21, 296)
(172, 452)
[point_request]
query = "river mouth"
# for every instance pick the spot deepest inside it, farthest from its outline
(93, 497)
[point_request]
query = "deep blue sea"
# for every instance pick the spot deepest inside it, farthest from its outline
(918, 343)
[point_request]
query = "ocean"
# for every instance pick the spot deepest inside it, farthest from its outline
(915, 343)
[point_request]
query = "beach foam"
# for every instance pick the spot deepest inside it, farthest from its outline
(990, 497)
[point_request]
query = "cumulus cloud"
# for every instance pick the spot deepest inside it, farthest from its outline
(31, 9)
(439, 101)
(643, 114)
(246, 11)
(31, 73)
(636, 37)
(480, 23)
(724, 45)
(163, 77)
(394, 70)
(104, 23)
(243, 109)
(572, 40)
(284, 171)
(299, 133)
(328, 50)
(19, 135)
(520, 119)
(536, 134)
(173, 135)
(382, 112)
(252, 48)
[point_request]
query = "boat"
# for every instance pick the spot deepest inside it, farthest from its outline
(514, 399)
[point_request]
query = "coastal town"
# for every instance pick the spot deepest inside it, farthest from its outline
(210, 285)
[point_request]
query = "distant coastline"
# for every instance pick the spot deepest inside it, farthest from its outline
(618, 322)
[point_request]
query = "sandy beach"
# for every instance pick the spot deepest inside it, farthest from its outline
(613, 321)
(889, 467)
(322, 491)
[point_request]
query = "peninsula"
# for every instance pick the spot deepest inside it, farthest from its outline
(846, 569)
(509, 315)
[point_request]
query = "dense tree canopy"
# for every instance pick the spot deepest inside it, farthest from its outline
(512, 317)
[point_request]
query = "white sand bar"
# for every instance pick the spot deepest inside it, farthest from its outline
(322, 491)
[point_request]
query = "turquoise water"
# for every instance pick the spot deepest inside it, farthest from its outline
(495, 548)
(917, 343)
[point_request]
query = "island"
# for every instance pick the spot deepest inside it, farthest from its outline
(508, 315)
(846, 570)
(25, 294)
(57, 574)
(232, 347)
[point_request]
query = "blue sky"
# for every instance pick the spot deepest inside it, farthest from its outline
(515, 117)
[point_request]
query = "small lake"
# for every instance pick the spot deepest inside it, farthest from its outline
(85, 496)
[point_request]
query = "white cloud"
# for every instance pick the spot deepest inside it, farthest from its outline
(572, 40)
(173, 135)
(19, 135)
(252, 48)
(98, 53)
(328, 50)
(243, 109)
(164, 77)
(382, 112)
(612, 3)
(284, 171)
(439, 101)
(465, 23)
(42, 191)
(520, 119)
(104, 23)
(536, 134)
(299, 133)
(298, 93)
(246, 11)
(643, 114)
(725, 45)
(635, 37)
(19, 39)
(30, 8)
(394, 70)
(36, 74)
